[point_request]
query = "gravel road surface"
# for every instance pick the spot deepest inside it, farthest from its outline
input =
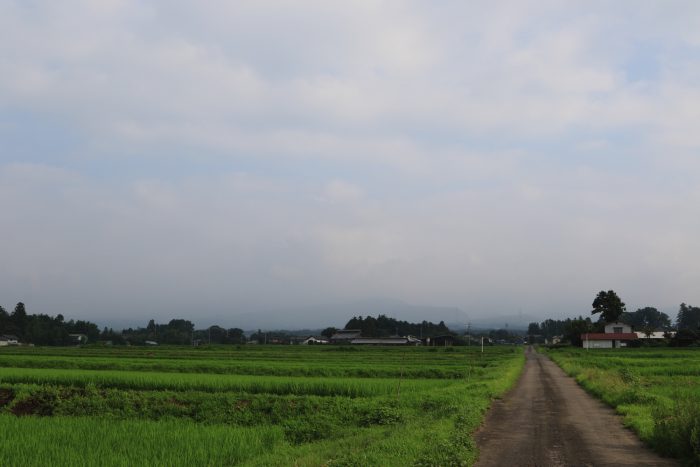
(548, 420)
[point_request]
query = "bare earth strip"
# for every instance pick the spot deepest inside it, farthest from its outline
(548, 420)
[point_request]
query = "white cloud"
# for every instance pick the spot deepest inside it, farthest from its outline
(437, 153)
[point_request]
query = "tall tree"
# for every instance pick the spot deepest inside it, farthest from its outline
(19, 319)
(575, 327)
(4, 321)
(688, 317)
(647, 318)
(609, 305)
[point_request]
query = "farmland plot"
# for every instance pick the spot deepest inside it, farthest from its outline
(250, 406)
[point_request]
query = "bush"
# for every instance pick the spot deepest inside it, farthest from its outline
(382, 415)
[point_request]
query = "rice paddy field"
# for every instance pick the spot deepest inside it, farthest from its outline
(657, 390)
(247, 405)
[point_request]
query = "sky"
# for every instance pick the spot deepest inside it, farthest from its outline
(163, 159)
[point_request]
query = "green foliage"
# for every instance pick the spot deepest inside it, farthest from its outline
(41, 329)
(383, 326)
(647, 318)
(688, 317)
(677, 429)
(609, 305)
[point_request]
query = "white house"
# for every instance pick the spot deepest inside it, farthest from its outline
(7, 339)
(616, 335)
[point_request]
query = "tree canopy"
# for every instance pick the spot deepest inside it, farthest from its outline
(609, 305)
(647, 318)
(688, 317)
(383, 326)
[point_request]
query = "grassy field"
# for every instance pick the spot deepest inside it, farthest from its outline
(656, 389)
(249, 405)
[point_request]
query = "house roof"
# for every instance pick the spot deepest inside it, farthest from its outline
(609, 336)
(346, 334)
(380, 340)
(8, 337)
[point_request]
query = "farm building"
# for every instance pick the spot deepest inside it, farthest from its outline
(656, 335)
(386, 341)
(7, 339)
(616, 335)
(344, 336)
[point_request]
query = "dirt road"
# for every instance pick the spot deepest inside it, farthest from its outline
(548, 420)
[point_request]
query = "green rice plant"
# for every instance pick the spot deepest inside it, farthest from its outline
(326, 407)
(91, 441)
(350, 387)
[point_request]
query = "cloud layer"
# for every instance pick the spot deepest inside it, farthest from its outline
(171, 159)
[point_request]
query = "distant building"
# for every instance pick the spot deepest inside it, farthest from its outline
(656, 335)
(345, 336)
(314, 340)
(78, 338)
(8, 339)
(616, 335)
(408, 340)
(151, 343)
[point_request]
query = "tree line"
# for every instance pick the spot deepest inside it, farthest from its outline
(384, 326)
(611, 308)
(42, 329)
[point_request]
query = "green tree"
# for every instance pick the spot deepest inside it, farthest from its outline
(19, 319)
(328, 332)
(236, 336)
(647, 318)
(4, 321)
(575, 327)
(688, 317)
(609, 305)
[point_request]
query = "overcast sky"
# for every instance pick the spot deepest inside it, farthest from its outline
(188, 159)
